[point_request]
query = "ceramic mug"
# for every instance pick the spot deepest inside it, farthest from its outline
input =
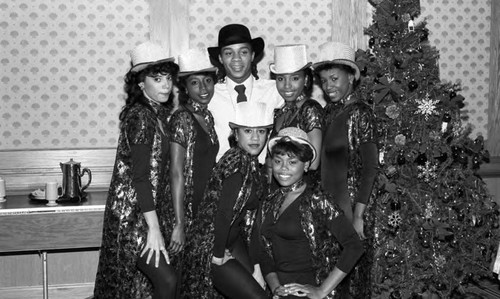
(51, 192)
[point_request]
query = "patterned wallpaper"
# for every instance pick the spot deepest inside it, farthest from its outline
(62, 72)
(62, 61)
(460, 30)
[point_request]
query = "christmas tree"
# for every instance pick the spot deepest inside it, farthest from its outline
(436, 225)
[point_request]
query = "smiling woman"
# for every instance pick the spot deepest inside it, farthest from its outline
(193, 144)
(296, 257)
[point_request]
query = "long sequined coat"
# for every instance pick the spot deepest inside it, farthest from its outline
(360, 126)
(125, 228)
(198, 282)
(316, 209)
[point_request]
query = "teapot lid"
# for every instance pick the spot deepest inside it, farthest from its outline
(71, 162)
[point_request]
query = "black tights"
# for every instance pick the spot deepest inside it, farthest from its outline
(163, 278)
(235, 282)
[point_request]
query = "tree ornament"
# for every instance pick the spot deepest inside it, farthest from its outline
(441, 286)
(396, 294)
(397, 63)
(445, 122)
(463, 158)
(395, 205)
(391, 170)
(446, 198)
(412, 86)
(364, 71)
(476, 162)
(477, 220)
(426, 243)
(400, 159)
(427, 106)
(455, 152)
(411, 26)
(442, 157)
(395, 219)
(421, 159)
(371, 42)
(395, 16)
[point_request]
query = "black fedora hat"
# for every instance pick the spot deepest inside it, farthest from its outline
(236, 34)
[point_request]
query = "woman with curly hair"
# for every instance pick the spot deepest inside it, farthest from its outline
(134, 262)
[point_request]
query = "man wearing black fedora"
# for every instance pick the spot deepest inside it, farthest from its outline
(236, 57)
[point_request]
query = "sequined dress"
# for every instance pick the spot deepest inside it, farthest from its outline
(201, 151)
(198, 282)
(349, 134)
(124, 227)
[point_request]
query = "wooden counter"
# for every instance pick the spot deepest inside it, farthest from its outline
(30, 225)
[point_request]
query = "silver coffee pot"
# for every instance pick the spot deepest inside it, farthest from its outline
(72, 189)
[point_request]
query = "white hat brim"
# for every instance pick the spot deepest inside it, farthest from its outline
(350, 63)
(234, 126)
(140, 66)
(210, 69)
(272, 68)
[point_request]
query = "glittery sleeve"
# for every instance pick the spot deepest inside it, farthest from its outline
(366, 124)
(140, 125)
(341, 228)
(179, 127)
(311, 116)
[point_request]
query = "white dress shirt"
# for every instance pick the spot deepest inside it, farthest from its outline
(223, 105)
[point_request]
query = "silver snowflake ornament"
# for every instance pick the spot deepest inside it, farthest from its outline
(427, 172)
(427, 107)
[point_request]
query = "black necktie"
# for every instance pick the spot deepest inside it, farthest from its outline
(240, 89)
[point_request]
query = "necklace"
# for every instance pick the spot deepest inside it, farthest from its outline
(282, 196)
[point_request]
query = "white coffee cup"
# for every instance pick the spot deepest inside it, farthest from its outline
(51, 193)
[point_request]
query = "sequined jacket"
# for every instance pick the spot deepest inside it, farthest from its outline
(360, 129)
(316, 209)
(124, 227)
(198, 283)
(181, 130)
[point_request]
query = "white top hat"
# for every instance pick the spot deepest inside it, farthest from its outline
(294, 134)
(252, 115)
(339, 53)
(146, 54)
(195, 61)
(289, 59)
